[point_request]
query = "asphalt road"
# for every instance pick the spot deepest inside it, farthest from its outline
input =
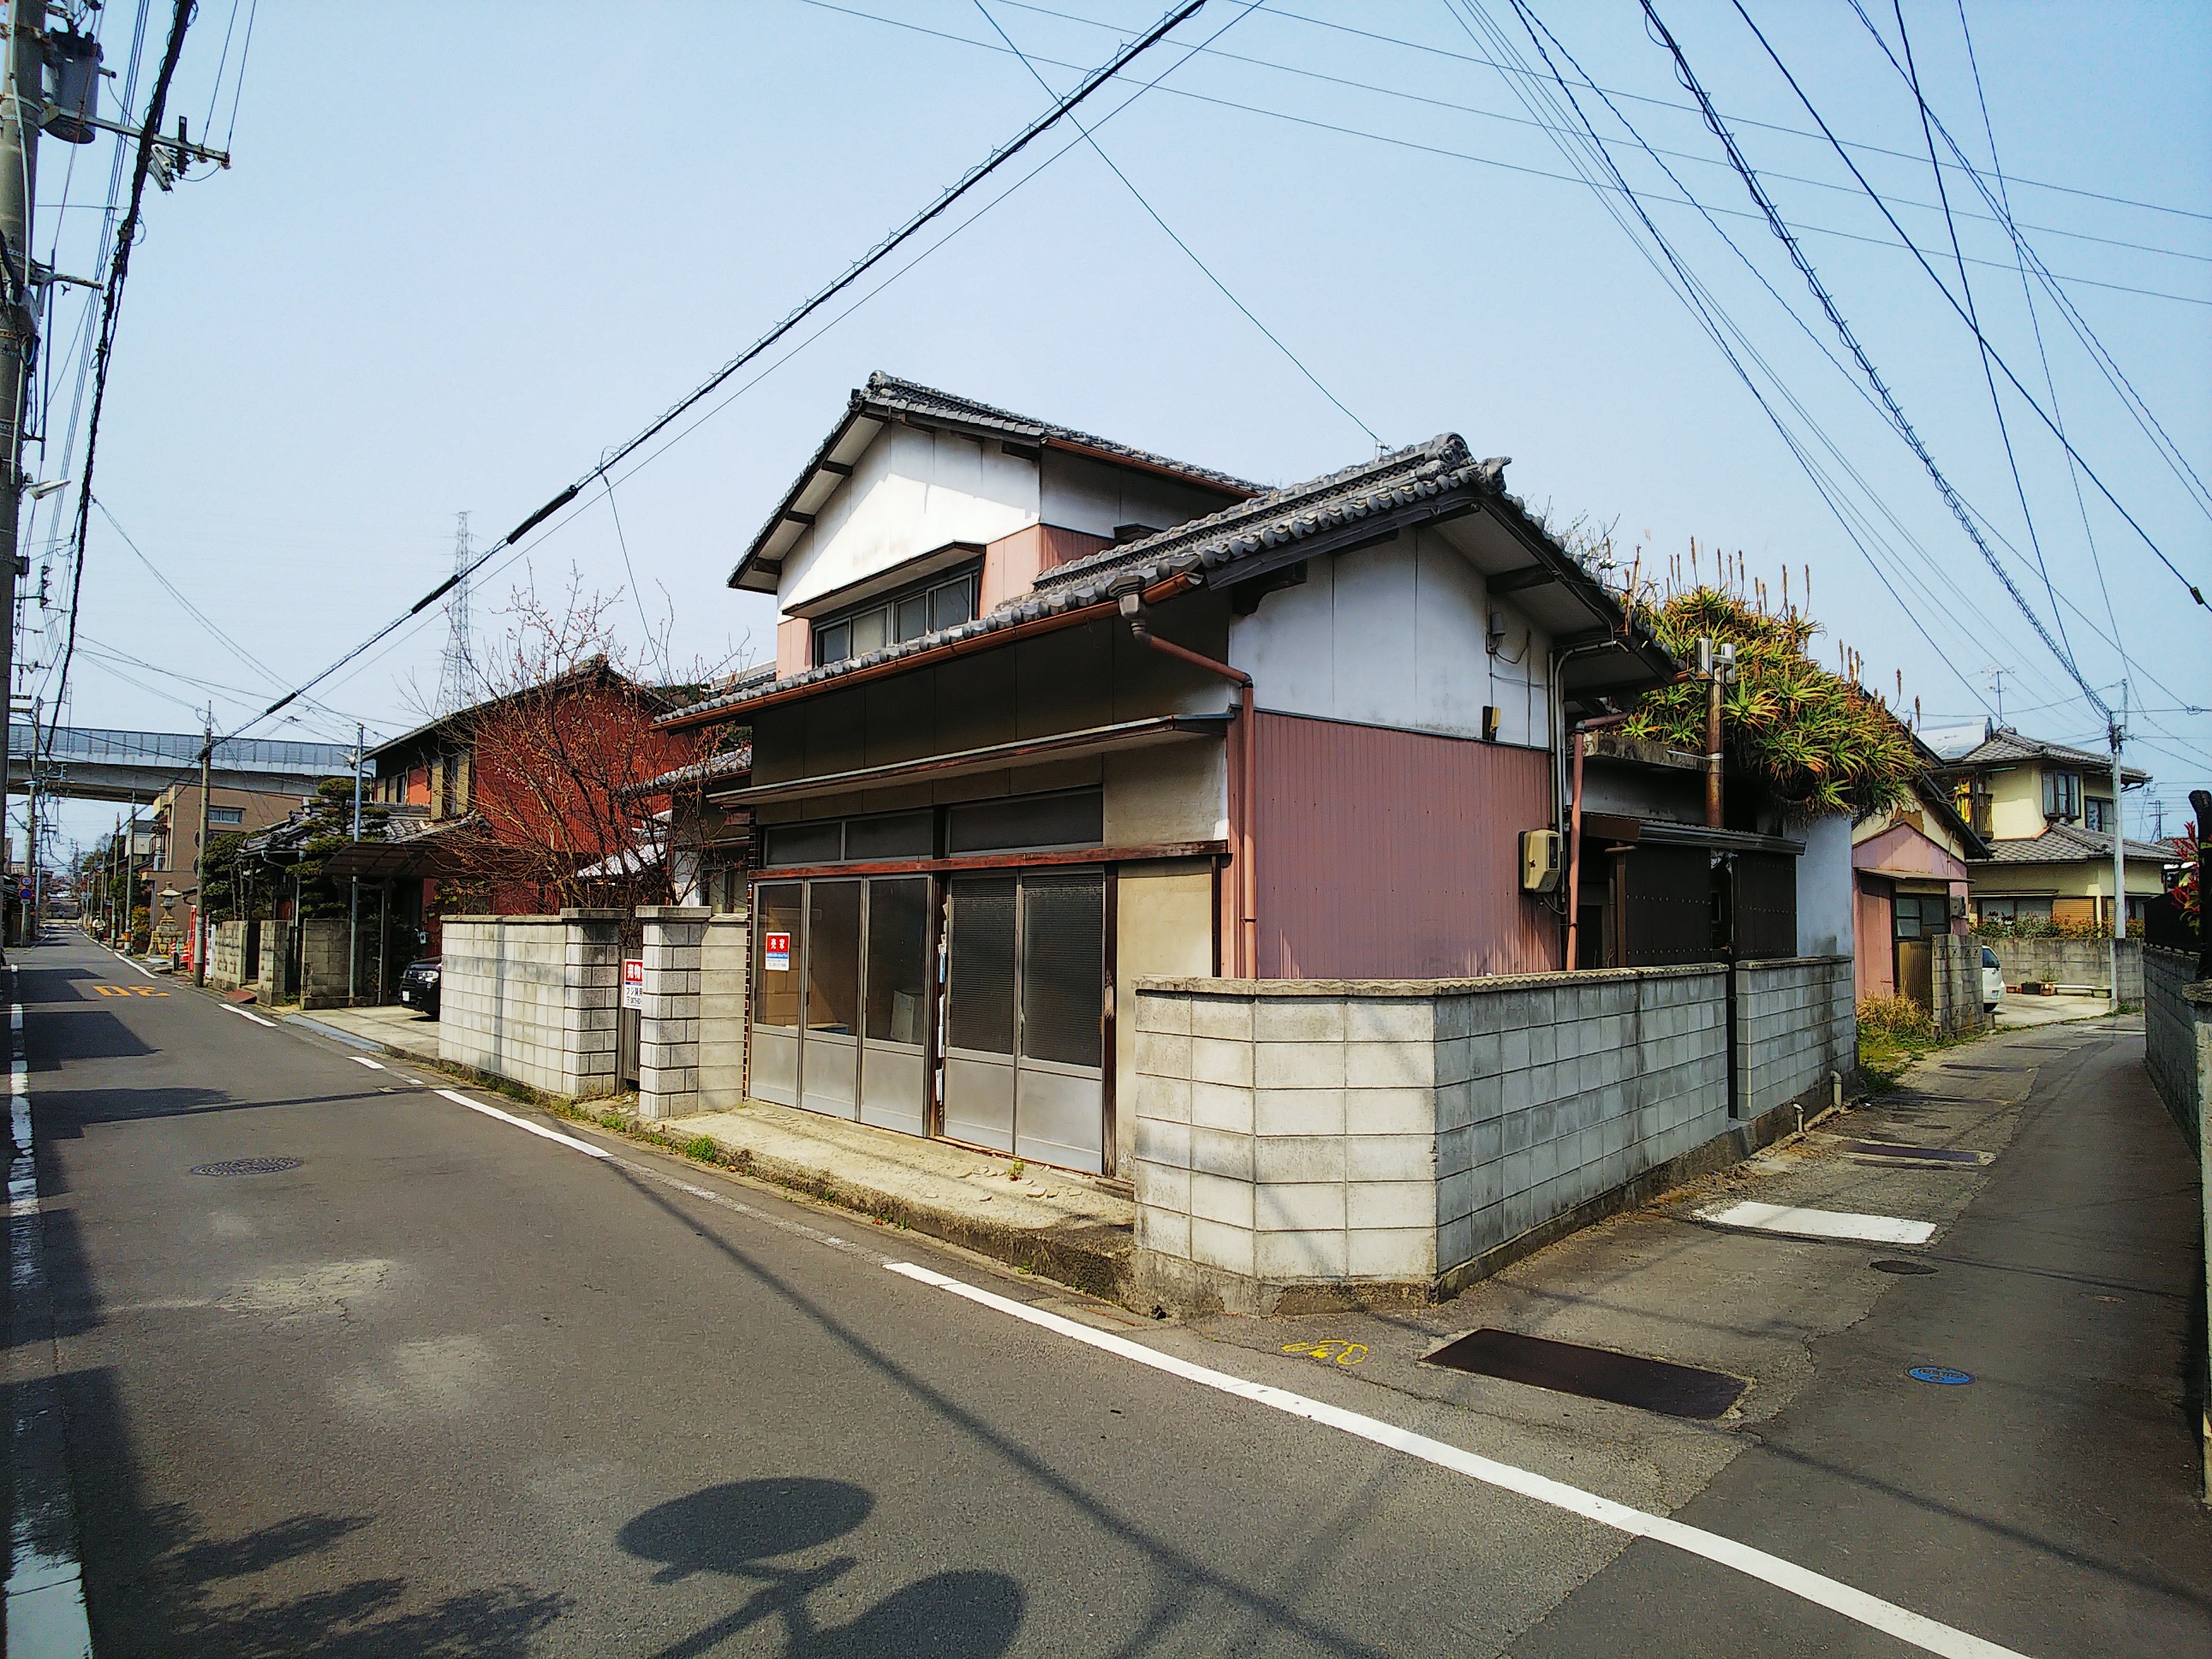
(446, 1387)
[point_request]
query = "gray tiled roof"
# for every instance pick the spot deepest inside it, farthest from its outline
(890, 393)
(2006, 747)
(1372, 489)
(886, 397)
(2067, 843)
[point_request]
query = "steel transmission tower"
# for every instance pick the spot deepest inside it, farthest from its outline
(457, 673)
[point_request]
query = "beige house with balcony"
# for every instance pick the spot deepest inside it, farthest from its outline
(2048, 813)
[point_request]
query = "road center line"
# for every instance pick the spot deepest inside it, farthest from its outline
(242, 1014)
(569, 1141)
(46, 1615)
(1871, 1611)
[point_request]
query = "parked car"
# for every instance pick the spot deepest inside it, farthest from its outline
(1992, 980)
(418, 986)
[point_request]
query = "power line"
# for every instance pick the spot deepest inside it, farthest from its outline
(875, 256)
(1404, 96)
(1190, 253)
(1415, 145)
(1966, 287)
(1707, 311)
(2195, 593)
(111, 303)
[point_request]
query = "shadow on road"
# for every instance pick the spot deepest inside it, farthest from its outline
(736, 1530)
(158, 1583)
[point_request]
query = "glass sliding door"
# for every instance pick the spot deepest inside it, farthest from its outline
(1059, 1089)
(829, 1074)
(1025, 1016)
(979, 1011)
(894, 1093)
(779, 948)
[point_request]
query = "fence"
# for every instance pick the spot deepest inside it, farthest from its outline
(534, 999)
(2080, 962)
(2178, 1053)
(1304, 1143)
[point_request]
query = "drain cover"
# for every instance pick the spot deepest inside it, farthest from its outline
(241, 1166)
(1625, 1379)
(1894, 1267)
(1942, 1373)
(1918, 1154)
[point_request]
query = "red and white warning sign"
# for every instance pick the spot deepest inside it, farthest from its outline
(775, 953)
(633, 983)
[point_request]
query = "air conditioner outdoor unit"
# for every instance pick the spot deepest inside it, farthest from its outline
(1542, 857)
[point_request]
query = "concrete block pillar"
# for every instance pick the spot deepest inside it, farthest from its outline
(591, 1002)
(668, 1023)
(725, 970)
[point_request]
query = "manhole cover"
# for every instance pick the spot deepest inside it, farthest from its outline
(1902, 1267)
(1940, 1374)
(1898, 1149)
(243, 1166)
(1625, 1379)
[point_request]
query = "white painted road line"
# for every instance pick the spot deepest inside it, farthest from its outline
(1871, 1611)
(127, 962)
(363, 1060)
(1821, 1224)
(45, 1591)
(242, 1014)
(569, 1141)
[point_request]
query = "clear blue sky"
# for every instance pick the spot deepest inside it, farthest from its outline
(466, 248)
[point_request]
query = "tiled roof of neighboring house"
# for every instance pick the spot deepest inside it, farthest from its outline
(888, 399)
(2006, 747)
(2067, 843)
(595, 672)
(1388, 484)
(728, 764)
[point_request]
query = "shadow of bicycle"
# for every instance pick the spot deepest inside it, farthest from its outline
(739, 1530)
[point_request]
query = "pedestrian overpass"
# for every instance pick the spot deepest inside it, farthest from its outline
(93, 764)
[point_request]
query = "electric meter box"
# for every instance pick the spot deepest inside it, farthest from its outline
(1542, 857)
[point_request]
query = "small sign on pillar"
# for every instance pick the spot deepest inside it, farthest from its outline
(632, 995)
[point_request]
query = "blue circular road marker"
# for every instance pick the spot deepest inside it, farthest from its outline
(1942, 1373)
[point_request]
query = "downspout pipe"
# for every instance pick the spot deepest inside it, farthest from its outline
(1574, 831)
(1247, 951)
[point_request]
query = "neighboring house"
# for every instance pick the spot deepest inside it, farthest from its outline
(175, 823)
(1910, 880)
(2048, 815)
(548, 774)
(1053, 712)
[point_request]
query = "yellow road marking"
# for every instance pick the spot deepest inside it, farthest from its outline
(1331, 1347)
(129, 991)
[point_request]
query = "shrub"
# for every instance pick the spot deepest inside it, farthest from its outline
(1895, 1018)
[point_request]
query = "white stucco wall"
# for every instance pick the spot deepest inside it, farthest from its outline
(1081, 494)
(910, 493)
(1395, 636)
(1824, 889)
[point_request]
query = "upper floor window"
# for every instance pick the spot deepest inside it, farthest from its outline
(2061, 795)
(1975, 805)
(2097, 814)
(940, 602)
(226, 815)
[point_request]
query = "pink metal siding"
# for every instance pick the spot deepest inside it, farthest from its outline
(1396, 854)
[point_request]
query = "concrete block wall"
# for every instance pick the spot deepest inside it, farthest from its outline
(1292, 1134)
(1796, 1022)
(2177, 1036)
(724, 979)
(323, 943)
(227, 955)
(275, 982)
(668, 1018)
(2072, 962)
(534, 999)
(1956, 973)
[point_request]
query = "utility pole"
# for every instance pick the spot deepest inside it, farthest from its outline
(2115, 729)
(131, 876)
(1717, 666)
(199, 859)
(353, 901)
(22, 104)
